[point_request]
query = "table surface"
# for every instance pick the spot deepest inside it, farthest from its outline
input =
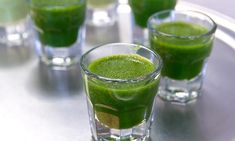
(38, 103)
(222, 6)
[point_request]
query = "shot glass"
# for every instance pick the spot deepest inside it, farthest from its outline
(101, 12)
(59, 27)
(142, 10)
(184, 40)
(14, 23)
(121, 90)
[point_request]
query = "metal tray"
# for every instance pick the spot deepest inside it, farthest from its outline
(38, 103)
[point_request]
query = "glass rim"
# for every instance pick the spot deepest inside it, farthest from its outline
(209, 33)
(156, 71)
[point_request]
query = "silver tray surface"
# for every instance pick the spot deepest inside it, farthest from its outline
(38, 103)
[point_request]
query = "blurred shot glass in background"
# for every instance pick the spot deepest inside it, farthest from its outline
(59, 26)
(101, 12)
(142, 10)
(14, 23)
(184, 40)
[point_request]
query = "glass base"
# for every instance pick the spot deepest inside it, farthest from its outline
(137, 133)
(102, 16)
(140, 35)
(180, 92)
(61, 57)
(16, 34)
(101, 132)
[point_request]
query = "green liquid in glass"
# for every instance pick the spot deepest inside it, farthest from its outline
(183, 57)
(58, 22)
(12, 11)
(143, 9)
(122, 105)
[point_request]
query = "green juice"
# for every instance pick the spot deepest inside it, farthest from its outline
(143, 9)
(183, 57)
(12, 11)
(122, 105)
(58, 22)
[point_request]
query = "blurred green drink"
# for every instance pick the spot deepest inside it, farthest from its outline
(143, 9)
(12, 11)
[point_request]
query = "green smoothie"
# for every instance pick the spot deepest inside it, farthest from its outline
(122, 105)
(100, 3)
(12, 11)
(183, 57)
(143, 9)
(58, 22)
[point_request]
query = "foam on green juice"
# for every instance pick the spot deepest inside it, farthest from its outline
(183, 57)
(122, 67)
(122, 105)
